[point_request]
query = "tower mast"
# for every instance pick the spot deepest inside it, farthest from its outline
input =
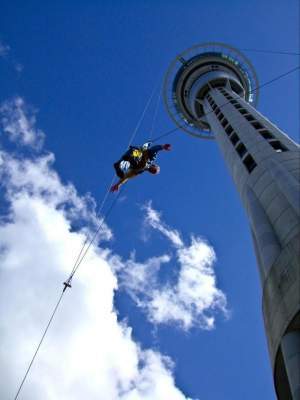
(211, 92)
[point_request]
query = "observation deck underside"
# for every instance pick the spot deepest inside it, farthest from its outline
(196, 71)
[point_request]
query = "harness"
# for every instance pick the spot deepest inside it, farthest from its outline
(138, 158)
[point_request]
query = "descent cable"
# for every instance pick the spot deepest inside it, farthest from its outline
(87, 239)
(142, 117)
(67, 284)
(94, 237)
(81, 255)
(286, 53)
(39, 345)
(79, 260)
(155, 113)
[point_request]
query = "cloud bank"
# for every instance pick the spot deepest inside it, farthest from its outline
(87, 353)
(193, 299)
(18, 122)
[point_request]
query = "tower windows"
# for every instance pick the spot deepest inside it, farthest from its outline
(224, 122)
(234, 139)
(241, 149)
(249, 163)
(249, 117)
(257, 125)
(277, 146)
(229, 130)
(227, 95)
(266, 134)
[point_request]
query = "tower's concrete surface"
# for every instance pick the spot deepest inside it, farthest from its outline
(213, 92)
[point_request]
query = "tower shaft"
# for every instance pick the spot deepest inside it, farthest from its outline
(211, 91)
(265, 166)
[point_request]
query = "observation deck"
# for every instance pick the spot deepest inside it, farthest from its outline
(195, 72)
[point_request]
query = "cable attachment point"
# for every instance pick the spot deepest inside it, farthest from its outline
(67, 284)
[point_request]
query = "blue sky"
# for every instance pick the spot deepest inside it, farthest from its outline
(85, 71)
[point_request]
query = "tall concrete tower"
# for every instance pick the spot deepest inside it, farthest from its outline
(211, 92)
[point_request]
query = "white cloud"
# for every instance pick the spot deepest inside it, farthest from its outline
(152, 218)
(87, 353)
(18, 122)
(38, 178)
(193, 299)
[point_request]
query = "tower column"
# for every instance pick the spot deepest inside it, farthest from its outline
(265, 166)
(210, 95)
(290, 347)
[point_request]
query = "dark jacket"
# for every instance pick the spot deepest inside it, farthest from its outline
(139, 159)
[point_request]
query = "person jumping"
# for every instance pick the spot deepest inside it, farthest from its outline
(136, 161)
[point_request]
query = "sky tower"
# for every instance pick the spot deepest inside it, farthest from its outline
(211, 92)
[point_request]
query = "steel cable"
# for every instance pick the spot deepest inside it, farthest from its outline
(82, 253)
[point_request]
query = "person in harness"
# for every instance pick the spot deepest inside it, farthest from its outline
(137, 160)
